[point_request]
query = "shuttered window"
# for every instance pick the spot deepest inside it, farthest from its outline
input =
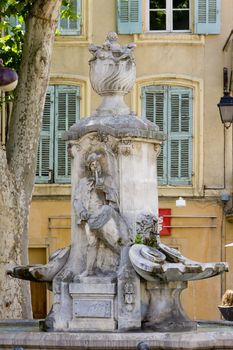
(178, 16)
(171, 109)
(169, 15)
(61, 110)
(129, 16)
(71, 26)
(207, 16)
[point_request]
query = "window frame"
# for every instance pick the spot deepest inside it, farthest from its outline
(169, 19)
(72, 32)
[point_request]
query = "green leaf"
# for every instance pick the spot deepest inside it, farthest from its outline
(138, 239)
(11, 43)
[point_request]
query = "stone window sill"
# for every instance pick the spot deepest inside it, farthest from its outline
(63, 40)
(44, 190)
(177, 191)
(173, 38)
(50, 190)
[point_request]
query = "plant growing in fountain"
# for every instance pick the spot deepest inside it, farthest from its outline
(147, 230)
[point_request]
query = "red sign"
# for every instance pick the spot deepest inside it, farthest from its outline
(165, 222)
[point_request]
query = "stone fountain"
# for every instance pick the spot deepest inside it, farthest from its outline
(104, 282)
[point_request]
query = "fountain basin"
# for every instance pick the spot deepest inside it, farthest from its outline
(144, 260)
(26, 335)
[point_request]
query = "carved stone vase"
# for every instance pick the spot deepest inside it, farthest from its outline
(112, 74)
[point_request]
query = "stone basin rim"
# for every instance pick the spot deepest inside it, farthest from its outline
(218, 338)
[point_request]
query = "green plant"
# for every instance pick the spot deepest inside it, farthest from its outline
(13, 16)
(150, 241)
(138, 239)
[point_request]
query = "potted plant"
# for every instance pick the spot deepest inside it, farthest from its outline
(226, 308)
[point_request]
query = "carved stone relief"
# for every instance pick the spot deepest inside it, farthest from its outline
(129, 295)
(157, 149)
(96, 204)
(125, 147)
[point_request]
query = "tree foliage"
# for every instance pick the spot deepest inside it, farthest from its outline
(13, 19)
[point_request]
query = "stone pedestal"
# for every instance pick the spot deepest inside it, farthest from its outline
(165, 313)
(94, 305)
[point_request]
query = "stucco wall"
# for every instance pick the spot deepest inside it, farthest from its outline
(194, 60)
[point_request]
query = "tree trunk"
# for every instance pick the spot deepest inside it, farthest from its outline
(18, 163)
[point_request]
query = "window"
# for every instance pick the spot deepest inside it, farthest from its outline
(169, 15)
(61, 110)
(170, 108)
(71, 26)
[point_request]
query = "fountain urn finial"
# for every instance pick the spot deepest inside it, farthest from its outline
(112, 74)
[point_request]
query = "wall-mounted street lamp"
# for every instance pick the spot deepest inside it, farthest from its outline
(226, 110)
(226, 103)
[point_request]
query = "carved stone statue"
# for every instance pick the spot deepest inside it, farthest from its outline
(97, 209)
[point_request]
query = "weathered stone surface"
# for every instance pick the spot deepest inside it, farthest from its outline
(148, 265)
(97, 209)
(39, 272)
(165, 313)
(218, 336)
(93, 305)
(128, 296)
(119, 126)
(92, 308)
(112, 74)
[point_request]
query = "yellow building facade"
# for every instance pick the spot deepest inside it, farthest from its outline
(179, 70)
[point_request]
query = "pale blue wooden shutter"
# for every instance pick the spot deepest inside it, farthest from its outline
(68, 26)
(207, 16)
(45, 149)
(155, 109)
(179, 136)
(129, 16)
(67, 101)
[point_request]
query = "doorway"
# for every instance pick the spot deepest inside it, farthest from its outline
(38, 289)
